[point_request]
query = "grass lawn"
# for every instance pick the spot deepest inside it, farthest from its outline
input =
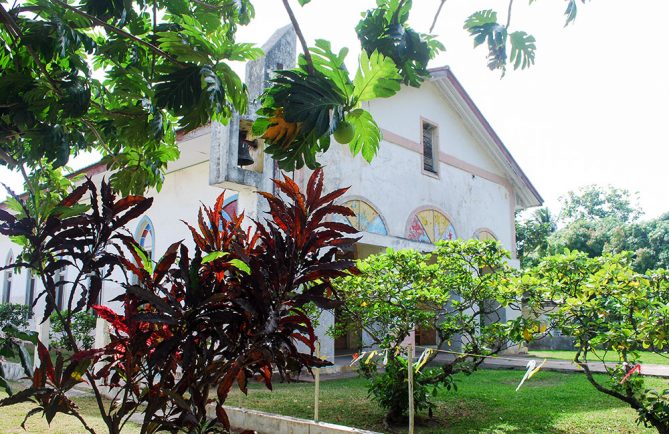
(611, 356)
(485, 402)
(12, 416)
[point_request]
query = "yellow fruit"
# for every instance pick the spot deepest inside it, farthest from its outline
(344, 132)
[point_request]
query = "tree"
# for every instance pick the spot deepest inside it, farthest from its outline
(532, 236)
(607, 307)
(459, 292)
(593, 202)
(193, 323)
(648, 241)
(590, 236)
(122, 77)
(594, 220)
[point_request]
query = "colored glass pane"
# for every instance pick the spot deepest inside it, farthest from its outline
(230, 207)
(430, 226)
(366, 218)
(486, 235)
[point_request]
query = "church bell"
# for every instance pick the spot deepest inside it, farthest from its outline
(243, 155)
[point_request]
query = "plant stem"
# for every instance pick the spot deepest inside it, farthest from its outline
(300, 36)
(436, 15)
(508, 17)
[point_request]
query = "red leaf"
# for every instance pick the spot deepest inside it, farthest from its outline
(314, 187)
(116, 321)
(242, 381)
(45, 361)
(75, 195)
(222, 416)
(126, 203)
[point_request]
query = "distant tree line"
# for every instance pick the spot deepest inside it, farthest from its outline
(595, 220)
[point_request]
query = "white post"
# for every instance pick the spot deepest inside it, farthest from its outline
(410, 371)
(101, 333)
(317, 380)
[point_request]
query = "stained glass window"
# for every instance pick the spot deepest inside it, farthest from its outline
(430, 226)
(485, 235)
(230, 207)
(366, 218)
(146, 239)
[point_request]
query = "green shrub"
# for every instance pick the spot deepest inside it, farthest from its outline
(83, 324)
(14, 314)
(390, 387)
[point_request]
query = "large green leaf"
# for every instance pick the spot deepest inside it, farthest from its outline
(385, 29)
(367, 134)
(522, 49)
(331, 65)
(377, 77)
(307, 99)
(483, 26)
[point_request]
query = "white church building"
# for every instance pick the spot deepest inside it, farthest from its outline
(441, 173)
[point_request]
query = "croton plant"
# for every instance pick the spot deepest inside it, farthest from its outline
(199, 320)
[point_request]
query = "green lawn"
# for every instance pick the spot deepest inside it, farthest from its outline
(611, 356)
(485, 402)
(12, 416)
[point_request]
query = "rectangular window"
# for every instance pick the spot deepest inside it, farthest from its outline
(60, 288)
(30, 293)
(430, 151)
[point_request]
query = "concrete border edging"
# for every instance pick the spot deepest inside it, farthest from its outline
(269, 423)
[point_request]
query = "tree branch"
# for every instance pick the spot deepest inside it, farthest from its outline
(14, 28)
(436, 15)
(300, 36)
(118, 31)
(508, 17)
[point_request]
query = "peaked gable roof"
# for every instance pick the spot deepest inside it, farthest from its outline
(454, 92)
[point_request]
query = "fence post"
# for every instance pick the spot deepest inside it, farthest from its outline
(317, 381)
(410, 371)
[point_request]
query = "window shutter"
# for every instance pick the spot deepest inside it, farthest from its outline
(428, 151)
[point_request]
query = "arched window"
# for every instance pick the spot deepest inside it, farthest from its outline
(230, 207)
(366, 218)
(430, 226)
(145, 236)
(9, 276)
(485, 235)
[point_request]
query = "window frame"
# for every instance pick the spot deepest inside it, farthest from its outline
(435, 173)
(8, 280)
(31, 284)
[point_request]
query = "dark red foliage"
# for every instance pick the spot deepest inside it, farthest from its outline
(230, 311)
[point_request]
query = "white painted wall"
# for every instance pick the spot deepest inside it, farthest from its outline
(402, 115)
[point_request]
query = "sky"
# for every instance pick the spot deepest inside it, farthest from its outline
(592, 110)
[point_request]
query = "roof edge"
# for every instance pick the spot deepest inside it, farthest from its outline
(445, 73)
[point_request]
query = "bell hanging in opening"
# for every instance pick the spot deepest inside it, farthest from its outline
(243, 155)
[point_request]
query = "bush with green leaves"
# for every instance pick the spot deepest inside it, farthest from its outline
(82, 328)
(460, 290)
(389, 387)
(607, 307)
(14, 314)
